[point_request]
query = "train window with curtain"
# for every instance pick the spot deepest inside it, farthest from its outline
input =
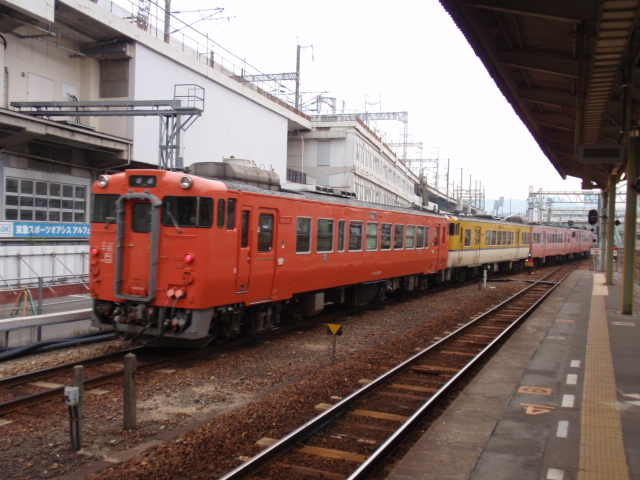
(221, 213)
(398, 237)
(411, 237)
(265, 232)
(427, 232)
(355, 236)
(467, 237)
(342, 226)
(303, 235)
(385, 237)
(231, 214)
(324, 236)
(372, 236)
(420, 237)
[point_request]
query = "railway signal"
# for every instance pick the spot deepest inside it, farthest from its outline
(592, 217)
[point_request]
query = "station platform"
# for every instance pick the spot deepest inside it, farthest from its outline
(559, 401)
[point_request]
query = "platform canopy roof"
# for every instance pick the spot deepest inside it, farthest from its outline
(569, 68)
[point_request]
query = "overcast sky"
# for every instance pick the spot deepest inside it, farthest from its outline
(405, 55)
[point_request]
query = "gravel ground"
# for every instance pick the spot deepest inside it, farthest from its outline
(204, 419)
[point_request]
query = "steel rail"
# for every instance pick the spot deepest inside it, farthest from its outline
(271, 453)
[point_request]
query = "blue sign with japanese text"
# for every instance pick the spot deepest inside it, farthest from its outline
(50, 230)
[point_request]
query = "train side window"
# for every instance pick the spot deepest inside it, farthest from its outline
(324, 237)
(411, 237)
(487, 240)
(467, 237)
(420, 237)
(478, 236)
(231, 214)
(436, 234)
(265, 232)
(385, 237)
(221, 213)
(493, 237)
(355, 236)
(398, 237)
(372, 236)
(341, 234)
(244, 237)
(303, 235)
(141, 217)
(427, 233)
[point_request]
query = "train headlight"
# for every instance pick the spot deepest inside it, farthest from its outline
(186, 182)
(188, 258)
(103, 181)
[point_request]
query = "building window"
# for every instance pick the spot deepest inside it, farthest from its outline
(32, 200)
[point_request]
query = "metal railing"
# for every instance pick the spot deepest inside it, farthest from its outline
(22, 298)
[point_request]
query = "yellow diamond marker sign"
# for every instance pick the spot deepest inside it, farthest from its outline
(333, 329)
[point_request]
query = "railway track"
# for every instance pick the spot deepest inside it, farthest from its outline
(41, 386)
(354, 437)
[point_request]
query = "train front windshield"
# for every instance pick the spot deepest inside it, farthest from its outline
(187, 212)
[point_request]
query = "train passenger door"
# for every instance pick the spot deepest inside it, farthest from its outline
(262, 266)
(244, 251)
(477, 239)
(138, 227)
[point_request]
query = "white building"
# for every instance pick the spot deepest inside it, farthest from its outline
(98, 51)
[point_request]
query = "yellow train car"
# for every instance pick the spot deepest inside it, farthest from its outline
(486, 242)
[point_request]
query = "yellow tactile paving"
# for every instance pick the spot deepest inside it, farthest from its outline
(602, 455)
(600, 284)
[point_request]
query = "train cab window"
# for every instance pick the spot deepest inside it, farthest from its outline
(341, 234)
(221, 213)
(231, 214)
(467, 237)
(454, 229)
(398, 237)
(420, 237)
(411, 237)
(244, 236)
(372, 236)
(141, 217)
(187, 212)
(265, 232)
(104, 208)
(427, 232)
(303, 235)
(324, 237)
(385, 237)
(355, 236)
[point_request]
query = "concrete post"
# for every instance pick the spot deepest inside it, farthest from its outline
(630, 225)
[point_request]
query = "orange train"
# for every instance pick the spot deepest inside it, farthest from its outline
(185, 259)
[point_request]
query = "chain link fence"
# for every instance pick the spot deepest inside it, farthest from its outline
(43, 295)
